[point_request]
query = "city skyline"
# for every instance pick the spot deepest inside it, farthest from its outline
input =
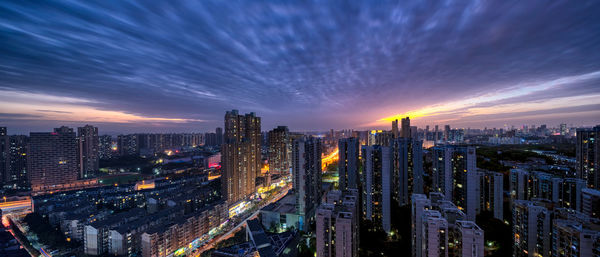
(167, 67)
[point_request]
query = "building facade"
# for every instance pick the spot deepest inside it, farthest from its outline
(52, 158)
(89, 159)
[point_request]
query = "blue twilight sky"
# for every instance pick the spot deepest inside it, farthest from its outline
(179, 65)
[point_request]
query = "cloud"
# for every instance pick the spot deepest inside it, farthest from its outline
(310, 65)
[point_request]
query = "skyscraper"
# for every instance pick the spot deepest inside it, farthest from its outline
(377, 185)
(87, 137)
(456, 177)
(4, 155)
(219, 136)
(446, 133)
(241, 155)
(407, 169)
(490, 197)
(442, 171)
(17, 170)
(405, 128)
(395, 131)
(588, 156)
(52, 158)
(106, 147)
(348, 150)
(279, 150)
(306, 169)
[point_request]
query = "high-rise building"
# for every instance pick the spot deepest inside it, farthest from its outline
(590, 202)
(127, 145)
(467, 239)
(446, 133)
(442, 170)
(419, 204)
(307, 180)
(588, 156)
(219, 136)
(568, 192)
(52, 158)
(348, 151)
(279, 150)
(574, 239)
(408, 169)
(395, 131)
(377, 185)
(17, 170)
(490, 197)
(520, 185)
(435, 234)
(405, 128)
(105, 150)
(337, 225)
(89, 159)
(4, 155)
(465, 188)
(531, 229)
(240, 155)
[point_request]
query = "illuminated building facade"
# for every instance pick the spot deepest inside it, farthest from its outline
(4, 155)
(407, 169)
(337, 225)
(307, 180)
(17, 170)
(241, 155)
(531, 229)
(279, 150)
(89, 159)
(377, 185)
(590, 202)
(106, 150)
(588, 156)
(52, 158)
(490, 194)
(348, 162)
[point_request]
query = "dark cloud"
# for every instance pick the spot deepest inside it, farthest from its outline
(307, 64)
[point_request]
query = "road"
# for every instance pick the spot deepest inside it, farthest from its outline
(235, 229)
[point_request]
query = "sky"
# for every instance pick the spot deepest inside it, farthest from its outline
(177, 66)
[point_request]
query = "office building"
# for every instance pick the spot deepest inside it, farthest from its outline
(348, 151)
(52, 158)
(588, 156)
(89, 159)
(490, 193)
(407, 169)
(590, 202)
(465, 188)
(241, 155)
(306, 170)
(531, 229)
(377, 185)
(279, 150)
